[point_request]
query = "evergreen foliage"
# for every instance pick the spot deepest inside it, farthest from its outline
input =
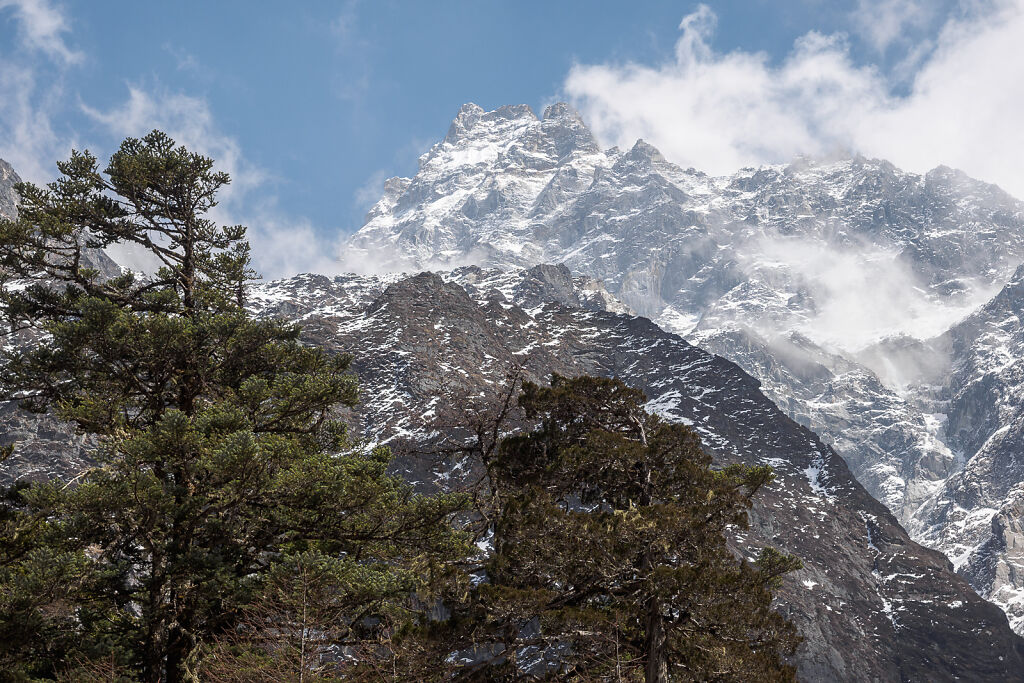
(610, 559)
(303, 616)
(220, 462)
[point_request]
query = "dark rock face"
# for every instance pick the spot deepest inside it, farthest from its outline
(871, 603)
(45, 448)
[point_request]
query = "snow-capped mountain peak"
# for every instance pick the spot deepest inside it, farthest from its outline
(832, 281)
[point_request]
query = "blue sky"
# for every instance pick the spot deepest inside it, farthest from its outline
(311, 105)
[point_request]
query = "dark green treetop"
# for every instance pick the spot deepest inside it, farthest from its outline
(610, 557)
(220, 458)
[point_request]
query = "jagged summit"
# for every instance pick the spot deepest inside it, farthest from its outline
(470, 115)
(561, 110)
(473, 128)
(644, 150)
(490, 165)
(497, 186)
(799, 272)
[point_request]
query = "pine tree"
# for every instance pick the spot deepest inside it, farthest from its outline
(46, 615)
(301, 627)
(219, 458)
(610, 558)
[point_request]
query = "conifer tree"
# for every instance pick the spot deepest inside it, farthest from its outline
(46, 615)
(219, 458)
(610, 559)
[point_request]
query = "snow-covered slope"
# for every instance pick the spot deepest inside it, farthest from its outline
(977, 515)
(827, 280)
(870, 603)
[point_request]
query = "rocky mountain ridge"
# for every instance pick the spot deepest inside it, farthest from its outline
(978, 513)
(871, 603)
(826, 280)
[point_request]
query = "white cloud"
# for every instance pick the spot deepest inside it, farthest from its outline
(34, 97)
(719, 111)
(28, 140)
(847, 282)
(885, 22)
(185, 60)
(367, 194)
(345, 24)
(41, 26)
(189, 121)
(33, 90)
(282, 245)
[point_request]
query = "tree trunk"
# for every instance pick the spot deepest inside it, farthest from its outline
(175, 656)
(153, 661)
(179, 646)
(655, 651)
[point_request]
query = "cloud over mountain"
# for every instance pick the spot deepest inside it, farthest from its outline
(720, 111)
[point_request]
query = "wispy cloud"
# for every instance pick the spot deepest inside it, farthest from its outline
(42, 26)
(354, 78)
(32, 82)
(28, 138)
(846, 282)
(189, 120)
(35, 97)
(184, 60)
(721, 111)
(367, 194)
(344, 24)
(884, 23)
